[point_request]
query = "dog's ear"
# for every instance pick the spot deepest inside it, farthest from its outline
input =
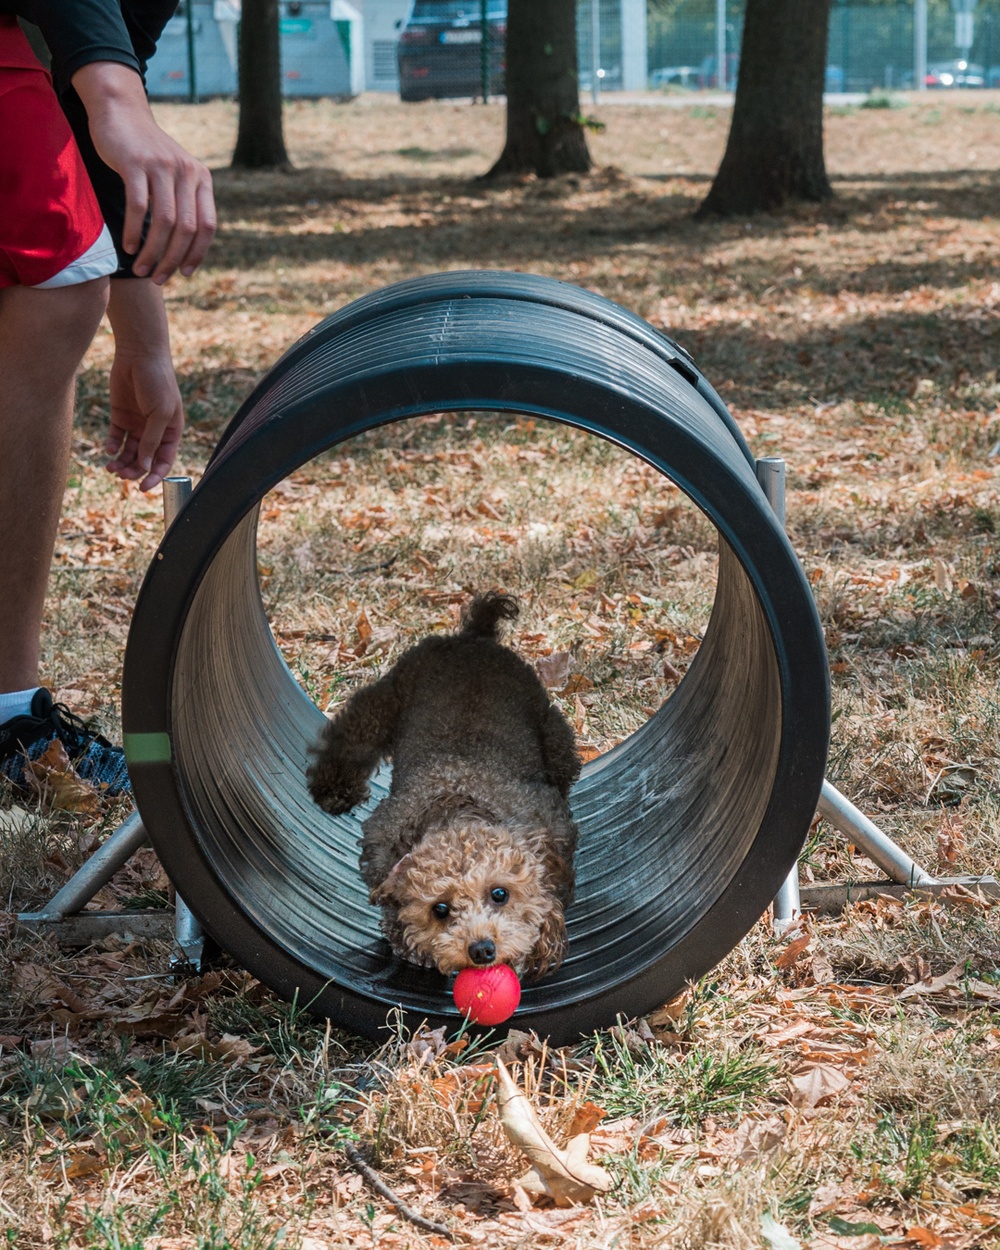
(550, 949)
(386, 889)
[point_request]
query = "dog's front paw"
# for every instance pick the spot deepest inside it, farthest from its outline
(334, 792)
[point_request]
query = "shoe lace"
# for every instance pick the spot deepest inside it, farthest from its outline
(74, 732)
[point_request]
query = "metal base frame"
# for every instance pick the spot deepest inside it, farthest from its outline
(63, 914)
(905, 875)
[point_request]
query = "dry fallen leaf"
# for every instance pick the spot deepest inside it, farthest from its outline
(950, 841)
(57, 784)
(793, 951)
(816, 1084)
(228, 1046)
(73, 1165)
(586, 1118)
(468, 1082)
(924, 1237)
(427, 1044)
(15, 820)
(821, 968)
(667, 1015)
(554, 669)
(565, 1176)
(935, 985)
(754, 1139)
(38, 986)
(943, 577)
(959, 895)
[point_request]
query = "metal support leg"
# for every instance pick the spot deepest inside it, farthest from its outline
(833, 807)
(879, 847)
(787, 903)
(111, 855)
(787, 906)
(189, 936)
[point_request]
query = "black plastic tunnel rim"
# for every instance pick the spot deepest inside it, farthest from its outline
(283, 425)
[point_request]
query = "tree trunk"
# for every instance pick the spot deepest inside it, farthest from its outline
(260, 141)
(775, 149)
(545, 131)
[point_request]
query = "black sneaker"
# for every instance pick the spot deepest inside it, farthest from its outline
(92, 755)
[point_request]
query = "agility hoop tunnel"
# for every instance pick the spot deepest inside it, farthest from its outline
(687, 828)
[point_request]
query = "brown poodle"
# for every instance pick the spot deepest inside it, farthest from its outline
(471, 853)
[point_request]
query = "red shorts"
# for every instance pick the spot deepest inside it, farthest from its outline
(51, 229)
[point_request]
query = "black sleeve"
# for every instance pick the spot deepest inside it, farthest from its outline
(79, 32)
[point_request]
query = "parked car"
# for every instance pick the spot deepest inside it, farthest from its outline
(955, 74)
(440, 49)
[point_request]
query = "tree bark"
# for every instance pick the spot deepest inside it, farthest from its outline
(775, 149)
(260, 140)
(545, 130)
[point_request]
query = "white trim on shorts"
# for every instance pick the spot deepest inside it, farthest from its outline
(97, 261)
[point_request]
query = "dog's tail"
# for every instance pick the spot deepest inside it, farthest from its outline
(482, 617)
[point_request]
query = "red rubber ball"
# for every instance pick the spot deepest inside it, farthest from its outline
(487, 995)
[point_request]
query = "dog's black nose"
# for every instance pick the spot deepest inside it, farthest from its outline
(482, 952)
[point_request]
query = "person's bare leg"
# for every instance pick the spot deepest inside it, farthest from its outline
(43, 337)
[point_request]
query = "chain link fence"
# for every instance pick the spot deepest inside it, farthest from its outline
(453, 48)
(871, 46)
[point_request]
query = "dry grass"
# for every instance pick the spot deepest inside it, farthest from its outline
(836, 1081)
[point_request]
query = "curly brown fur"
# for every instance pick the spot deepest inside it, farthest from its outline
(476, 823)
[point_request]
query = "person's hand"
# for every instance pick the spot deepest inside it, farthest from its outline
(159, 175)
(146, 420)
(147, 416)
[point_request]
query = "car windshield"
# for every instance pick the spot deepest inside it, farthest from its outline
(452, 10)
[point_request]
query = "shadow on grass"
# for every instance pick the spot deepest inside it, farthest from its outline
(857, 360)
(317, 217)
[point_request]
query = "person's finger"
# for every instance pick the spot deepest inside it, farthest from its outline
(162, 220)
(162, 431)
(136, 205)
(163, 458)
(152, 436)
(162, 464)
(205, 202)
(185, 228)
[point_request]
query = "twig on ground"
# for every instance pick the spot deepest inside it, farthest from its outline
(375, 1182)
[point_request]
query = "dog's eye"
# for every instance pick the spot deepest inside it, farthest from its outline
(441, 910)
(499, 895)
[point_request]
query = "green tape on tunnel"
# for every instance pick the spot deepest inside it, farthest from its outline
(147, 748)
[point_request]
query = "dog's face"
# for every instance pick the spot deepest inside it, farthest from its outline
(474, 895)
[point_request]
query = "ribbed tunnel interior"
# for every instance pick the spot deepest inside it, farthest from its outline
(674, 809)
